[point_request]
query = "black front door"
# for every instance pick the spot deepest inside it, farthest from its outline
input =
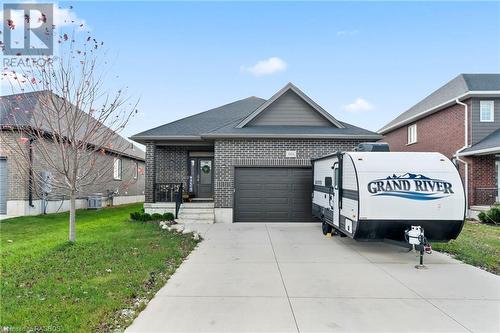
(201, 176)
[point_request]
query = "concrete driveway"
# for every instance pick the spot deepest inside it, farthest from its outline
(290, 278)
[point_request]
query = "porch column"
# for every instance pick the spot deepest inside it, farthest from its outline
(150, 172)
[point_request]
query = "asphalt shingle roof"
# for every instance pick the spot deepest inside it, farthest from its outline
(460, 85)
(207, 121)
(492, 141)
(19, 109)
(222, 122)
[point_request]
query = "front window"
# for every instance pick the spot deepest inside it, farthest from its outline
(486, 111)
(412, 134)
(117, 169)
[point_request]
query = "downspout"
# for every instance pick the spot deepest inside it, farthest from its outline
(466, 145)
(30, 177)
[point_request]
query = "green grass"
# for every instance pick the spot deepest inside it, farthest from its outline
(478, 244)
(49, 284)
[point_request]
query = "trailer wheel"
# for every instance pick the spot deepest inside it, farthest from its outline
(327, 229)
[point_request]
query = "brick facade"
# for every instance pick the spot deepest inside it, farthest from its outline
(482, 174)
(440, 132)
(170, 163)
(18, 177)
(150, 172)
(231, 153)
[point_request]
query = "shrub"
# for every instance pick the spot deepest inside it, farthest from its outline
(490, 216)
(156, 217)
(140, 216)
(144, 217)
(168, 217)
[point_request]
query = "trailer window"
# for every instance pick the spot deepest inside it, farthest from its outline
(328, 181)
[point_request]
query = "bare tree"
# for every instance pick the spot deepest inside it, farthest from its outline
(67, 119)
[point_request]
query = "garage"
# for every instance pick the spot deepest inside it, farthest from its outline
(273, 194)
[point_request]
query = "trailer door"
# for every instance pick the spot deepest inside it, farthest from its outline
(334, 198)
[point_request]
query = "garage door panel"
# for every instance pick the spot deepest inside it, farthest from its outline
(245, 202)
(273, 194)
(250, 186)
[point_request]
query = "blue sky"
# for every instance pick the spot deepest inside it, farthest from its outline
(363, 62)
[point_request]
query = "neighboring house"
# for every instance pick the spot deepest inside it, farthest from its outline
(251, 157)
(120, 171)
(461, 120)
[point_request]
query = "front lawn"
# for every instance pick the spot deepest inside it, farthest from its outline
(48, 284)
(478, 244)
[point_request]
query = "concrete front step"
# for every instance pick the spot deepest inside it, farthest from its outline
(182, 221)
(196, 210)
(207, 216)
(197, 205)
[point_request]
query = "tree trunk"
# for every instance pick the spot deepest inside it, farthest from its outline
(72, 212)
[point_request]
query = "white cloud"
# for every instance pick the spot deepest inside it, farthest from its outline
(66, 17)
(358, 105)
(347, 32)
(266, 67)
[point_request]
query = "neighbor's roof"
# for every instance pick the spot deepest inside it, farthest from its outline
(461, 87)
(18, 110)
(488, 145)
(226, 121)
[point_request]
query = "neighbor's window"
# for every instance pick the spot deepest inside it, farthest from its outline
(486, 111)
(136, 170)
(117, 169)
(412, 133)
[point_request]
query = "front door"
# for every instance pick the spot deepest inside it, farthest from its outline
(201, 177)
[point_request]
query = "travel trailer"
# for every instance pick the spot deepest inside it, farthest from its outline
(372, 195)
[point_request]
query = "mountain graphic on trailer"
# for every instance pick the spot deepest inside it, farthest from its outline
(408, 176)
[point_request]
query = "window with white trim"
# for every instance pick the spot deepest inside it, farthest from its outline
(412, 134)
(136, 170)
(486, 111)
(117, 169)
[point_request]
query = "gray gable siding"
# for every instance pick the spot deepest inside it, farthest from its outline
(290, 110)
(480, 130)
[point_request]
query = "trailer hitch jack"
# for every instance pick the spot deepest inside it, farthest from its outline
(421, 264)
(415, 236)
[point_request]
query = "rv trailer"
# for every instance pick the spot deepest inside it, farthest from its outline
(369, 195)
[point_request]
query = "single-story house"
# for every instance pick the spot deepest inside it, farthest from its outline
(249, 160)
(23, 191)
(461, 120)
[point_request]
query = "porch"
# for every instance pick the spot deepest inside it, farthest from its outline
(179, 174)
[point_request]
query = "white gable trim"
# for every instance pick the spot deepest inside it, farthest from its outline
(296, 90)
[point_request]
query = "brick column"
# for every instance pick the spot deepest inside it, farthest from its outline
(150, 172)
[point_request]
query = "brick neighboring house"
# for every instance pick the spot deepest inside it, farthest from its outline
(249, 160)
(121, 170)
(461, 120)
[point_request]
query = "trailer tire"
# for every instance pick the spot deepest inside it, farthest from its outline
(327, 229)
